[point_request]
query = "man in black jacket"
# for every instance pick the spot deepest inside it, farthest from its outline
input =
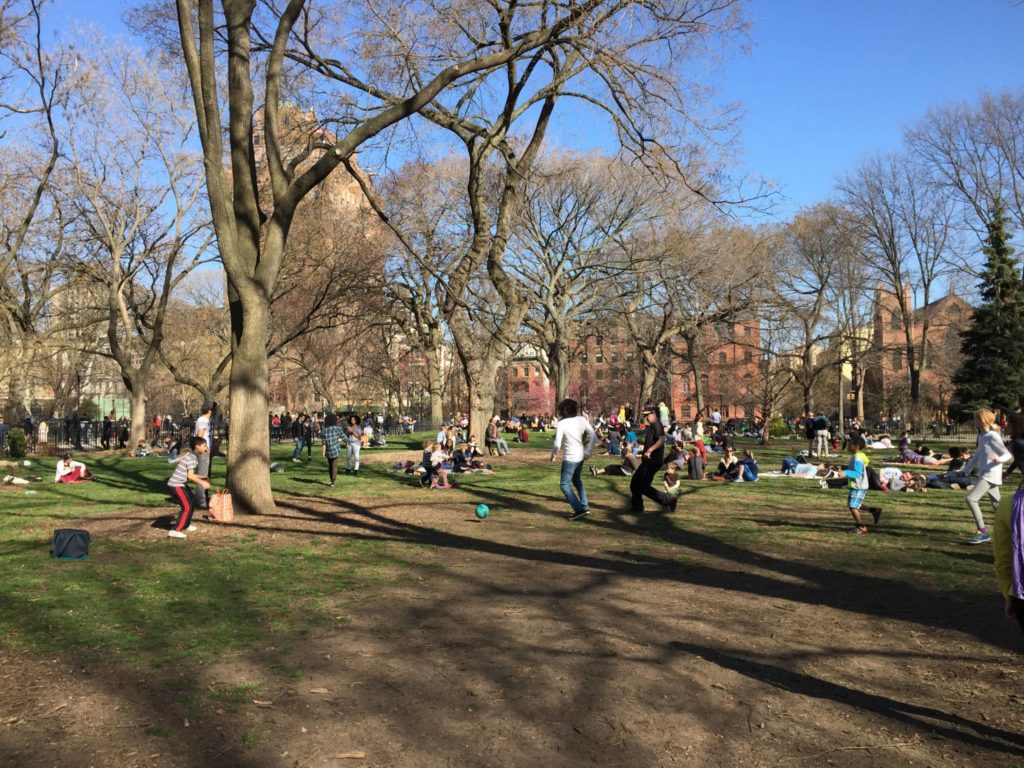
(651, 460)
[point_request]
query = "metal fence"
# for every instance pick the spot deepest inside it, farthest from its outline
(56, 436)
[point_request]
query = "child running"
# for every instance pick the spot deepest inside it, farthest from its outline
(987, 462)
(857, 473)
(184, 473)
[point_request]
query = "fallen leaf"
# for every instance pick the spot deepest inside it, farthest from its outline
(351, 756)
(260, 703)
(302, 729)
(318, 690)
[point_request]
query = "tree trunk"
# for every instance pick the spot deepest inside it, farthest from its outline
(435, 385)
(481, 383)
(650, 374)
(248, 458)
(558, 365)
(137, 392)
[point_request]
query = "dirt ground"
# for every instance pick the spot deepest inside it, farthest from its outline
(538, 643)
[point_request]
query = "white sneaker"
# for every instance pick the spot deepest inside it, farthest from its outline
(191, 529)
(176, 535)
(297, 461)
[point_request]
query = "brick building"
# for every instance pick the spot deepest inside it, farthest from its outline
(887, 382)
(727, 365)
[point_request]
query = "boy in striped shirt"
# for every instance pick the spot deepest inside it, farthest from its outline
(185, 472)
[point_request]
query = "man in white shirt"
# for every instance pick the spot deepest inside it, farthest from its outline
(202, 429)
(569, 438)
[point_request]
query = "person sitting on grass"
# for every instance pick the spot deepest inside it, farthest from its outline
(748, 467)
(474, 448)
(438, 457)
(856, 473)
(614, 442)
(695, 464)
(672, 487)
(70, 471)
(729, 467)
(141, 449)
(462, 459)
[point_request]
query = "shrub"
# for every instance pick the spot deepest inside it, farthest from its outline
(778, 427)
(17, 443)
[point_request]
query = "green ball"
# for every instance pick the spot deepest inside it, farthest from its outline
(482, 511)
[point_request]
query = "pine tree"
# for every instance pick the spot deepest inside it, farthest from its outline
(992, 372)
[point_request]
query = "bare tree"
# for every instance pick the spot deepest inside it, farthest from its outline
(36, 82)
(810, 247)
(374, 74)
(138, 195)
(976, 151)
(574, 221)
(906, 225)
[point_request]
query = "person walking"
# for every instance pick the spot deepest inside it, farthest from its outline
(333, 437)
(576, 439)
(651, 460)
(663, 414)
(202, 431)
(987, 462)
(298, 435)
(821, 435)
(353, 441)
(856, 473)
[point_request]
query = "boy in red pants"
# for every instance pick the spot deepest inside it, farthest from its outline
(184, 473)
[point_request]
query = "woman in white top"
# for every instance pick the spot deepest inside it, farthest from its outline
(987, 462)
(69, 471)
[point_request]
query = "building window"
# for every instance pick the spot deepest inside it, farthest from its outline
(747, 330)
(748, 356)
(615, 357)
(536, 372)
(684, 387)
(685, 411)
(515, 373)
(599, 341)
(894, 320)
(599, 374)
(598, 357)
(748, 383)
(897, 358)
(722, 359)
(584, 358)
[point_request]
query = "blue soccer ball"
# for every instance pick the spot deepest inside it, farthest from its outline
(482, 511)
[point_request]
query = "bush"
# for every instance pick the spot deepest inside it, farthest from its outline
(778, 426)
(17, 444)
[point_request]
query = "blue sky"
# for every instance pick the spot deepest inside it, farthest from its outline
(828, 82)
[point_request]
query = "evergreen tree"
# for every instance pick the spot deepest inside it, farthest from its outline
(992, 373)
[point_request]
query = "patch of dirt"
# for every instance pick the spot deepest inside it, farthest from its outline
(537, 642)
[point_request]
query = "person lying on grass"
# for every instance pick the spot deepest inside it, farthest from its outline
(70, 471)
(625, 469)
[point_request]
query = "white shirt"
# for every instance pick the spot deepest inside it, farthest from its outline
(63, 469)
(569, 437)
(202, 428)
(442, 437)
(988, 459)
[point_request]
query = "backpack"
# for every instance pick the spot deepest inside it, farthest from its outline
(70, 544)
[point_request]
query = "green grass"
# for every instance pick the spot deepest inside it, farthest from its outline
(139, 602)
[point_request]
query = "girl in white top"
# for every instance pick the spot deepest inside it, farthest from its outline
(987, 462)
(70, 471)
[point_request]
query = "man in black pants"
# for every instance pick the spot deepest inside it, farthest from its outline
(651, 460)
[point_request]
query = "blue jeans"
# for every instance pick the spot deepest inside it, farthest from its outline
(572, 472)
(299, 443)
(502, 446)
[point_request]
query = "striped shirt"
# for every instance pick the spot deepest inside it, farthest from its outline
(332, 437)
(185, 464)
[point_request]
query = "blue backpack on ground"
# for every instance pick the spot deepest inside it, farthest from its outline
(70, 544)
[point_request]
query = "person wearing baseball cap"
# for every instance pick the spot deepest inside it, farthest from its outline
(651, 460)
